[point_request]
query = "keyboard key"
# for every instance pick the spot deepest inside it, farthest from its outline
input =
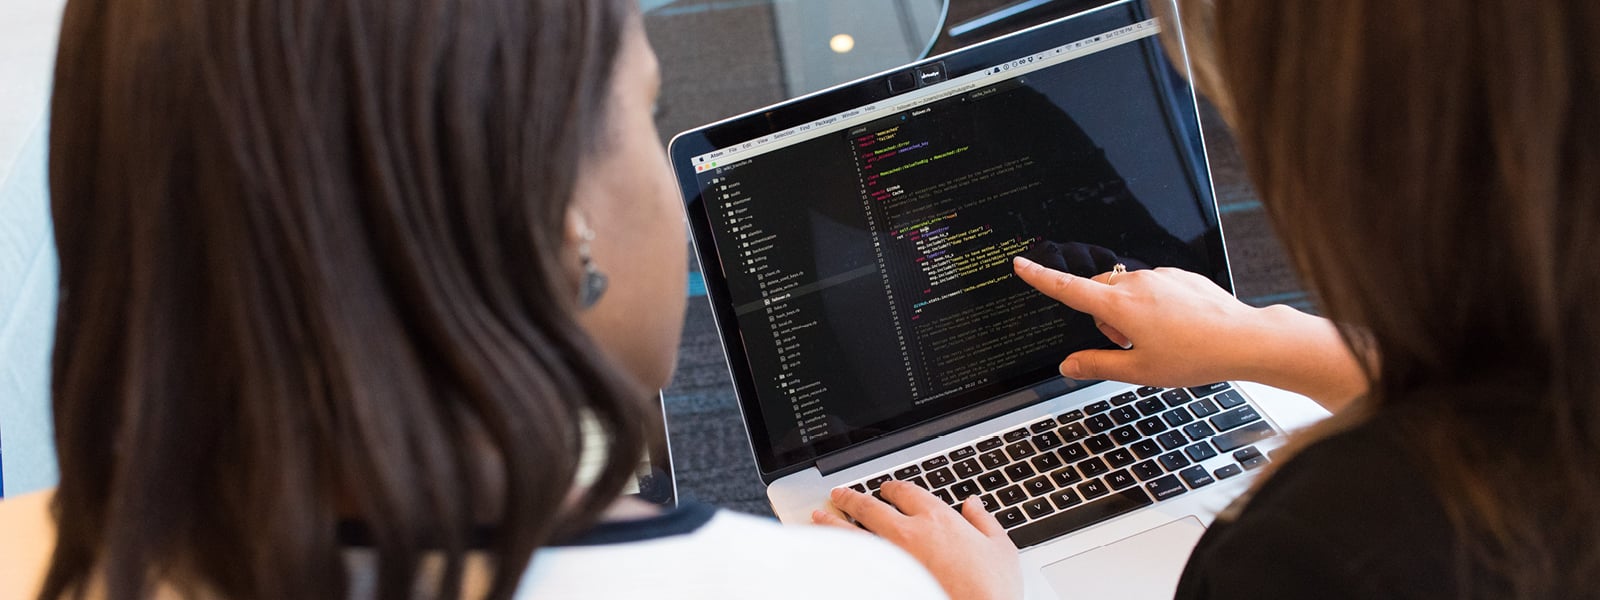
(945, 496)
(1011, 495)
(966, 468)
(1065, 476)
(1065, 498)
(1125, 435)
(1016, 435)
(1243, 436)
(1149, 391)
(1145, 449)
(1010, 517)
(1177, 416)
(1200, 452)
(1204, 408)
(1038, 486)
(1172, 440)
(989, 503)
(1047, 441)
(1099, 443)
(934, 463)
(1254, 463)
(1198, 430)
(963, 453)
(1099, 423)
(1124, 415)
(1079, 517)
(1020, 450)
(1124, 398)
(1097, 408)
(907, 472)
(1174, 461)
(1072, 453)
(875, 482)
(1069, 416)
(1246, 453)
(992, 481)
(1201, 391)
(1147, 470)
(1166, 487)
(1093, 488)
(1042, 426)
(1120, 479)
(964, 490)
(993, 459)
(1019, 471)
(1228, 399)
(1151, 426)
(1047, 462)
(1093, 467)
(1234, 418)
(1073, 432)
(941, 477)
(1228, 471)
(1175, 397)
(1196, 476)
(1150, 406)
(990, 444)
(859, 488)
(1038, 507)
(919, 482)
(1120, 457)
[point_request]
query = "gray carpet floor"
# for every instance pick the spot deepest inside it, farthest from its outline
(719, 58)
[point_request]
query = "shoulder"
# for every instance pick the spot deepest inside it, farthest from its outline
(1350, 516)
(26, 546)
(731, 555)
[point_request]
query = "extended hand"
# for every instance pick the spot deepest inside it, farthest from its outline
(967, 552)
(1182, 330)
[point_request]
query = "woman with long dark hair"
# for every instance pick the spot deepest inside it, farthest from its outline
(1434, 171)
(346, 285)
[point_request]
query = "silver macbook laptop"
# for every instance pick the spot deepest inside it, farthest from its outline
(856, 246)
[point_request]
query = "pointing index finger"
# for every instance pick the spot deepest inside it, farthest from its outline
(1079, 293)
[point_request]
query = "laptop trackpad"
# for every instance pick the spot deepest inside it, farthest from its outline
(1146, 565)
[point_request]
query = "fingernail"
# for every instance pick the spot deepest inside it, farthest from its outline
(837, 493)
(1022, 263)
(817, 516)
(1071, 368)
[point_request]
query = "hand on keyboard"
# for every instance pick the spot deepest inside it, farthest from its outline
(968, 552)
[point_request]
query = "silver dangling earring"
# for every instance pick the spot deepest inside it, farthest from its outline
(594, 282)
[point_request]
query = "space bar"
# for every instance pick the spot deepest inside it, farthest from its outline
(1071, 520)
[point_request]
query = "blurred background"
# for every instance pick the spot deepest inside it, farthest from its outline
(719, 58)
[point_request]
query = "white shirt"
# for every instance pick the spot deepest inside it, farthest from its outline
(693, 552)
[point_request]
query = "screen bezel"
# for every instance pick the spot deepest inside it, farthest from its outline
(792, 113)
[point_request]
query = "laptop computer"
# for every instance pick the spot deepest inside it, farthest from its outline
(856, 246)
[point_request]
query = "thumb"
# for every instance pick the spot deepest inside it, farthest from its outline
(1116, 365)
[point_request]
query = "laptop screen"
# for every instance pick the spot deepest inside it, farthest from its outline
(860, 261)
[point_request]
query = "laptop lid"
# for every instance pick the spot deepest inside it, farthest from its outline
(856, 242)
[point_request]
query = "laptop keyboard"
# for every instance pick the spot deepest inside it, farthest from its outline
(1064, 473)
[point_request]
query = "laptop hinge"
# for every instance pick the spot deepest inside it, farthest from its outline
(876, 447)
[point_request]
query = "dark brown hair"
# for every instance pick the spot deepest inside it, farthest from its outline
(312, 267)
(1434, 170)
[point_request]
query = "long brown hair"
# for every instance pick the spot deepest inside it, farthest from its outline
(1434, 170)
(312, 268)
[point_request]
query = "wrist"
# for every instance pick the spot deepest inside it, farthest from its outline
(1301, 353)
